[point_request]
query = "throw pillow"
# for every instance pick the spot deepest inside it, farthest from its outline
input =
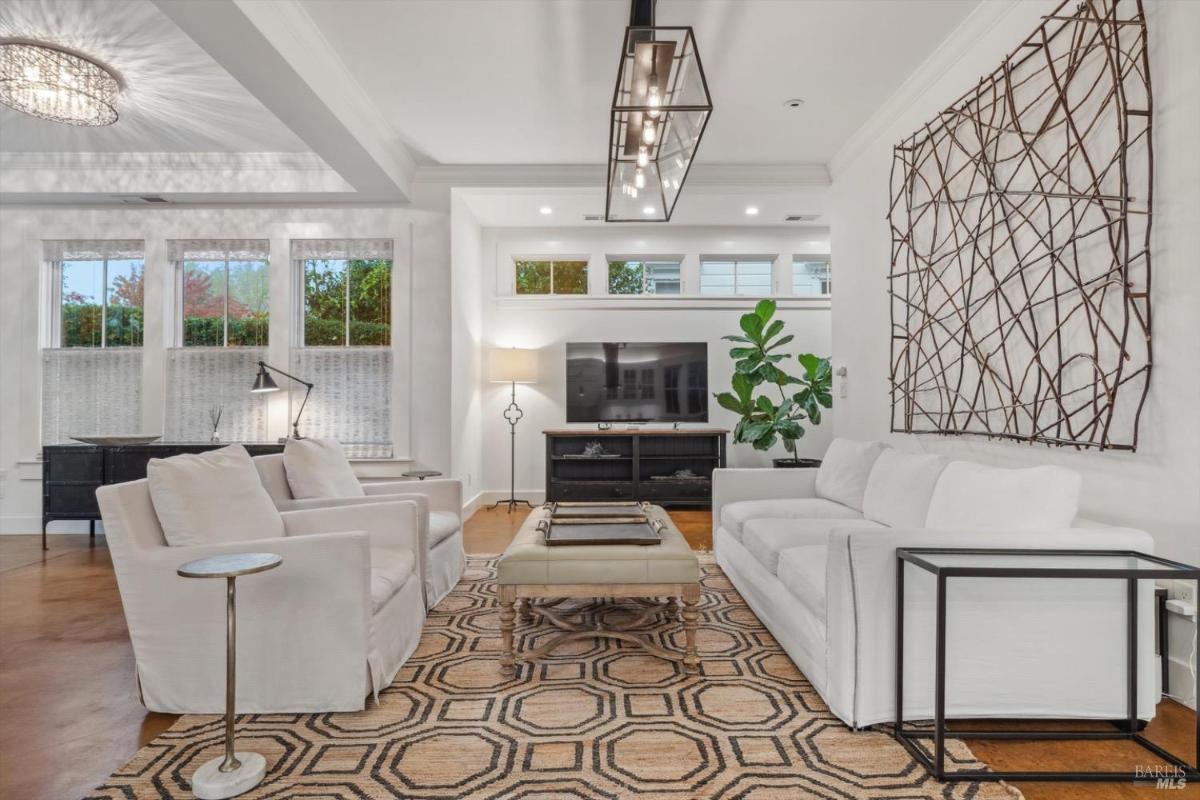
(210, 498)
(319, 468)
(972, 496)
(900, 487)
(845, 469)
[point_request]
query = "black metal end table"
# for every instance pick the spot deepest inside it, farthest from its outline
(945, 563)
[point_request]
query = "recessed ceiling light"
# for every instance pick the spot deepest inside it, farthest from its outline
(795, 102)
(751, 211)
(547, 210)
(648, 210)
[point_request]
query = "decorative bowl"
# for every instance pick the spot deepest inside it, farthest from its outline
(135, 438)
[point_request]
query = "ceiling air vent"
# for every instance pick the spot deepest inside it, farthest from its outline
(801, 217)
(593, 217)
(141, 199)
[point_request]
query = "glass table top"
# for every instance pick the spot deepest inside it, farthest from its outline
(1032, 559)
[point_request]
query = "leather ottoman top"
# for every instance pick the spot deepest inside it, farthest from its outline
(528, 561)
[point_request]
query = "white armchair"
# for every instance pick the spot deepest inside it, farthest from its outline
(439, 514)
(333, 624)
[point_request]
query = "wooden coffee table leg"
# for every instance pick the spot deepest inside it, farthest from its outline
(508, 596)
(691, 598)
(524, 609)
(673, 608)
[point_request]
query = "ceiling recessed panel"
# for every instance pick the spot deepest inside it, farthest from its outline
(175, 98)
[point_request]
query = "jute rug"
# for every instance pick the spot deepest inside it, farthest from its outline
(598, 720)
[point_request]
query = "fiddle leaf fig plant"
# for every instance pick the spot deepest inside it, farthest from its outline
(758, 363)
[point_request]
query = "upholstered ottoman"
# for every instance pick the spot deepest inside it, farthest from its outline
(530, 570)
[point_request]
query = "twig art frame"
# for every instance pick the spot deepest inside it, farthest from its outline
(1020, 219)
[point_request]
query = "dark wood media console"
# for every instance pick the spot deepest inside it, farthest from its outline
(71, 473)
(639, 464)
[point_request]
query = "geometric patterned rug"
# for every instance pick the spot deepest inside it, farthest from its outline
(597, 720)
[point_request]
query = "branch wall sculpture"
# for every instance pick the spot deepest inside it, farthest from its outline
(1020, 217)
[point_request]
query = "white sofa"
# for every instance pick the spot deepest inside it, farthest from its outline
(322, 632)
(439, 517)
(821, 575)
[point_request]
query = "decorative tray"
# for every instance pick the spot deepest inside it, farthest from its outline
(137, 438)
(598, 513)
(557, 534)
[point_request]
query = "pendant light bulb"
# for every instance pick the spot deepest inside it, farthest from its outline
(648, 132)
(639, 178)
(653, 96)
(643, 156)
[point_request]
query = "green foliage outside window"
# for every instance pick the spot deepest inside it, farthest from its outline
(551, 277)
(366, 284)
(626, 277)
(83, 316)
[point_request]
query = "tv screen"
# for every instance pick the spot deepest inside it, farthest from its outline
(637, 382)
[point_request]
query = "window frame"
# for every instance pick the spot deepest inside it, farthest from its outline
(552, 260)
(181, 301)
(56, 304)
(644, 260)
(801, 258)
(736, 260)
(299, 269)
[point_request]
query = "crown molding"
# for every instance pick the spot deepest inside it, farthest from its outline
(961, 41)
(282, 162)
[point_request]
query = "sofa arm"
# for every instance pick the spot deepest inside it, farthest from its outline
(444, 494)
(302, 627)
(392, 524)
(1002, 633)
(732, 485)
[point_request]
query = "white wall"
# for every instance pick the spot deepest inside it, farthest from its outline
(1158, 487)
(466, 326)
(421, 329)
(549, 323)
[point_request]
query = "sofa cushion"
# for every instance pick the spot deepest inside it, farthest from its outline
(734, 516)
(767, 538)
(802, 572)
(442, 525)
(900, 486)
(318, 468)
(390, 570)
(212, 497)
(971, 496)
(844, 470)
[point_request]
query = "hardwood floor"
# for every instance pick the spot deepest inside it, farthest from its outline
(69, 713)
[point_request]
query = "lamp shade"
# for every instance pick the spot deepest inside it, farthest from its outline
(263, 382)
(512, 365)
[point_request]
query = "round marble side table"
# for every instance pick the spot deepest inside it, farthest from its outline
(234, 773)
(421, 474)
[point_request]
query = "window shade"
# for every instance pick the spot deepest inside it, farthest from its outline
(351, 400)
(92, 249)
(366, 249)
(218, 249)
(91, 391)
(202, 378)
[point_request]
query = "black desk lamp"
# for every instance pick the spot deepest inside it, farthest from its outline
(263, 382)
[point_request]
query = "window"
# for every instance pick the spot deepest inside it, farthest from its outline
(224, 291)
(223, 295)
(749, 277)
(551, 277)
(92, 370)
(811, 277)
(643, 277)
(347, 336)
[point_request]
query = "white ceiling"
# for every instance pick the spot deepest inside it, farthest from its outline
(530, 81)
(176, 98)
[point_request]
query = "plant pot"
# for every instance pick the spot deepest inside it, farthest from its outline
(795, 463)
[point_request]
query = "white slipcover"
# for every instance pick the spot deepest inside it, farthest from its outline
(309, 637)
(900, 486)
(842, 476)
(439, 517)
(1028, 648)
(976, 496)
(319, 468)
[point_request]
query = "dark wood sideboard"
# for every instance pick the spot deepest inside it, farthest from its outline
(72, 472)
(639, 464)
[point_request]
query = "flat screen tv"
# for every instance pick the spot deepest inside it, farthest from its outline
(637, 382)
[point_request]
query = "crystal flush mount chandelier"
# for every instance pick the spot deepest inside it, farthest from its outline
(56, 84)
(660, 107)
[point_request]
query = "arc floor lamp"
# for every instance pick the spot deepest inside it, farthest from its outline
(512, 365)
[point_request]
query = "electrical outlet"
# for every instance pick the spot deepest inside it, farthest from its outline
(1183, 590)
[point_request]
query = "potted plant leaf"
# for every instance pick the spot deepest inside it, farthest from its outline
(759, 364)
